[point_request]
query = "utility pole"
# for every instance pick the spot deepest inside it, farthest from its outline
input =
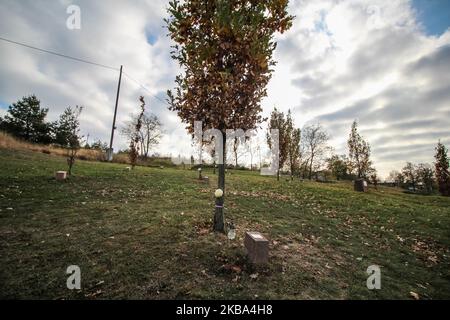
(111, 150)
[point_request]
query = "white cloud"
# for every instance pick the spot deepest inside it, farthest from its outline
(346, 60)
(112, 33)
(341, 60)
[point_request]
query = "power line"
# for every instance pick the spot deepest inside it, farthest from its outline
(83, 61)
(143, 87)
(59, 54)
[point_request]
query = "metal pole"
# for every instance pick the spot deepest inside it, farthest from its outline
(114, 119)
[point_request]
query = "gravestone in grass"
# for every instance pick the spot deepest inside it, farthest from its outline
(360, 185)
(61, 175)
(257, 247)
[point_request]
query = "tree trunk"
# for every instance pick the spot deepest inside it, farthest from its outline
(219, 224)
(147, 148)
(310, 169)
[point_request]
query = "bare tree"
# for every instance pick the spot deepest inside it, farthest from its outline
(236, 142)
(150, 132)
(70, 118)
(315, 140)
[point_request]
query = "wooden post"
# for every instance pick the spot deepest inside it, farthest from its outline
(110, 151)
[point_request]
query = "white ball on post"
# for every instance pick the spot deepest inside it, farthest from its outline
(218, 193)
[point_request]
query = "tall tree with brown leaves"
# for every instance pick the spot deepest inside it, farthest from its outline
(442, 169)
(136, 136)
(278, 122)
(359, 153)
(225, 49)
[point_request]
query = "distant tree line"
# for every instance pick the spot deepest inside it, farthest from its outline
(423, 177)
(306, 153)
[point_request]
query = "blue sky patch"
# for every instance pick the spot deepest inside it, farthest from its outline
(3, 105)
(151, 38)
(434, 15)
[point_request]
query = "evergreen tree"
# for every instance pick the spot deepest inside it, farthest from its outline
(442, 169)
(26, 120)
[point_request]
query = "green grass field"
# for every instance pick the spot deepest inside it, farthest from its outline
(146, 234)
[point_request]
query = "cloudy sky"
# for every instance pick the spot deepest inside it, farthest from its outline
(385, 63)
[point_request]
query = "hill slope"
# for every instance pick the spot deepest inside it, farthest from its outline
(146, 234)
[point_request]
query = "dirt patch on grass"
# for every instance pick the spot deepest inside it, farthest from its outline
(307, 254)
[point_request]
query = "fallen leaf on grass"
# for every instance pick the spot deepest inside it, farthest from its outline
(236, 269)
(99, 283)
(203, 231)
(94, 294)
(232, 268)
(414, 295)
(254, 276)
